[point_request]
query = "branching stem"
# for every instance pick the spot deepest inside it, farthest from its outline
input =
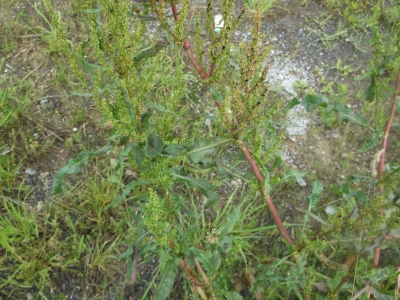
(244, 149)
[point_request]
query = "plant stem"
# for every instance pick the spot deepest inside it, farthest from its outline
(384, 146)
(244, 149)
(188, 49)
(267, 198)
(388, 126)
(344, 280)
(204, 276)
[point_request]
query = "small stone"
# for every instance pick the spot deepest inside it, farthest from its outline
(301, 182)
(39, 207)
(330, 210)
(30, 171)
(335, 135)
(207, 122)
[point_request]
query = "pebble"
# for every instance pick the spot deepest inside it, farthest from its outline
(30, 171)
(301, 182)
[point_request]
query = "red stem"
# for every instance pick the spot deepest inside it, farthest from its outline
(188, 49)
(267, 198)
(205, 279)
(384, 146)
(135, 267)
(212, 69)
(194, 61)
(175, 12)
(388, 125)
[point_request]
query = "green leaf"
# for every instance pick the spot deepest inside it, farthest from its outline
(86, 66)
(174, 149)
(293, 173)
(314, 197)
(166, 284)
(129, 187)
(82, 94)
(150, 51)
(225, 245)
(310, 101)
(370, 92)
(74, 166)
(369, 143)
(235, 296)
(145, 119)
(328, 117)
(357, 178)
(277, 163)
(94, 11)
(203, 185)
(314, 216)
(346, 114)
(265, 174)
(360, 197)
(207, 189)
(199, 149)
(387, 60)
(217, 95)
(154, 146)
(227, 227)
(138, 153)
(225, 171)
(127, 254)
(347, 193)
(362, 76)
(292, 104)
(160, 107)
(115, 179)
(297, 273)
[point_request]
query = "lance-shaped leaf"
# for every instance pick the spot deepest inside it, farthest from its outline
(74, 166)
(154, 146)
(174, 149)
(129, 187)
(370, 92)
(170, 269)
(310, 101)
(346, 114)
(150, 51)
(313, 198)
(293, 173)
(225, 171)
(292, 104)
(203, 185)
(217, 95)
(199, 149)
(371, 142)
(88, 67)
(227, 227)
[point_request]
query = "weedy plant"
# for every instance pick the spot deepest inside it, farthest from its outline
(195, 157)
